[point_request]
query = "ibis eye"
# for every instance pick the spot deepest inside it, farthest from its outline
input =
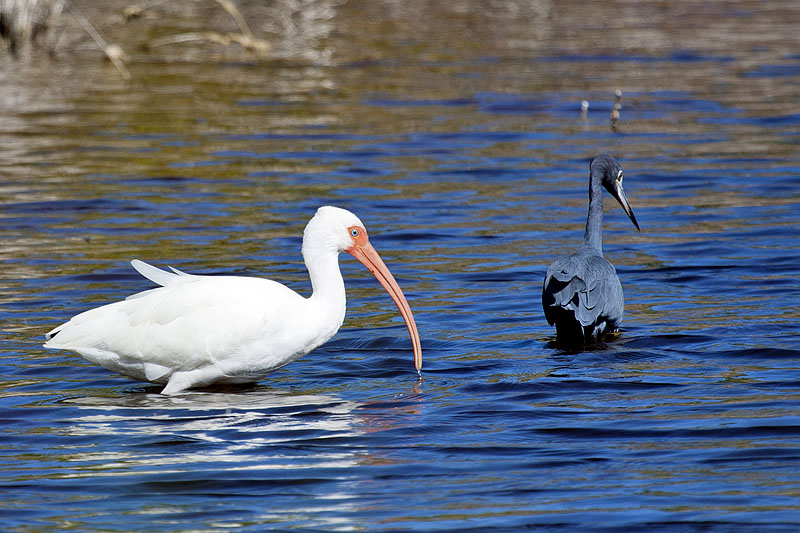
(354, 232)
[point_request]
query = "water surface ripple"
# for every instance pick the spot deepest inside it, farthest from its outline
(454, 131)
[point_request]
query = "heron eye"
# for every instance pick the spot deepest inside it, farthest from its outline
(619, 176)
(354, 232)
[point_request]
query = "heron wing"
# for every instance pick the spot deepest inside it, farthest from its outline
(586, 285)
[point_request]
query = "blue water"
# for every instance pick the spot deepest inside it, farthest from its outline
(469, 168)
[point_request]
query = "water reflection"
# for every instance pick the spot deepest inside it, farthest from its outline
(233, 442)
(234, 425)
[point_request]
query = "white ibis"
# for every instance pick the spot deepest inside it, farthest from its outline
(582, 294)
(196, 331)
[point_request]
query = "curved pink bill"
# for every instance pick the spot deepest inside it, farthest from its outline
(364, 252)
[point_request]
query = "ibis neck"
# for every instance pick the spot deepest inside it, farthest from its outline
(593, 238)
(326, 279)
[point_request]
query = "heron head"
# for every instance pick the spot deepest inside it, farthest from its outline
(608, 169)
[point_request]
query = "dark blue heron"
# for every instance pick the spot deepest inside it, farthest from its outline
(582, 295)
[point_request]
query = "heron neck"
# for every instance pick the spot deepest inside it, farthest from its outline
(593, 238)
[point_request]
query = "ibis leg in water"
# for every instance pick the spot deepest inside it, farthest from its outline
(582, 295)
(196, 331)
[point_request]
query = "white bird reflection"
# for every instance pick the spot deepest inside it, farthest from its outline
(292, 449)
(204, 428)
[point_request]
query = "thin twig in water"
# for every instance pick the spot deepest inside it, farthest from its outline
(187, 38)
(245, 39)
(113, 52)
(234, 12)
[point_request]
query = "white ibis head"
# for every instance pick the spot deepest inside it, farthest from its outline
(341, 229)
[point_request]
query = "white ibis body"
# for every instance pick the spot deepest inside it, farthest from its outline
(582, 295)
(196, 331)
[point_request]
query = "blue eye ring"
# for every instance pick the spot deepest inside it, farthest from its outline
(354, 232)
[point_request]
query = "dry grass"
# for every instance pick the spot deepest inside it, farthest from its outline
(27, 22)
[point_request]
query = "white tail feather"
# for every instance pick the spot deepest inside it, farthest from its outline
(156, 275)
